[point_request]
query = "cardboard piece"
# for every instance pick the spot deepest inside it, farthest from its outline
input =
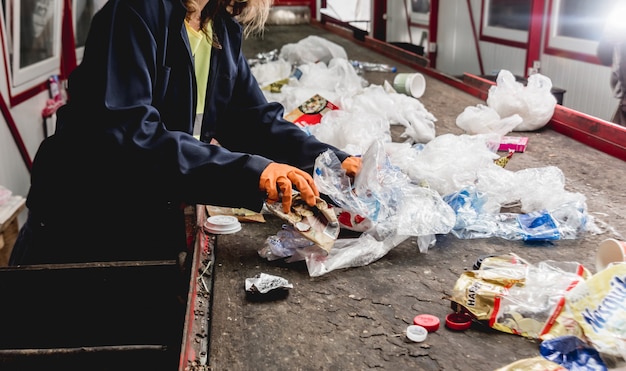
(243, 215)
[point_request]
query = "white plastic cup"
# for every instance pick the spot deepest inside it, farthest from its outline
(610, 251)
(413, 84)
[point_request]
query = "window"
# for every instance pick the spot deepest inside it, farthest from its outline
(506, 21)
(575, 26)
(420, 11)
(83, 12)
(35, 39)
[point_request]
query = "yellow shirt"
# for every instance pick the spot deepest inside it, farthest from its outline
(201, 42)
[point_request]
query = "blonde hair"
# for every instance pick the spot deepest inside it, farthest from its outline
(252, 14)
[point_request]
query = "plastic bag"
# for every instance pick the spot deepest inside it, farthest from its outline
(285, 243)
(533, 102)
(482, 119)
(312, 49)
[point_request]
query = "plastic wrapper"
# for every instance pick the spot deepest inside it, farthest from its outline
(533, 102)
(396, 109)
(594, 310)
(354, 252)
(338, 127)
(285, 244)
(481, 119)
(382, 192)
(564, 222)
(572, 353)
(272, 71)
(264, 283)
(516, 297)
(312, 49)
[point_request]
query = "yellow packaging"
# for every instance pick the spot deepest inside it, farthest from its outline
(516, 297)
(596, 306)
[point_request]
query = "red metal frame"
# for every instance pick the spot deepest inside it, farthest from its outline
(476, 43)
(533, 52)
(196, 331)
(379, 22)
(433, 25)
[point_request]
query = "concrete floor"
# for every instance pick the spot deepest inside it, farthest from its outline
(355, 319)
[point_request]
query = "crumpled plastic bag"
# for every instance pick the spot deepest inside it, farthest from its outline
(481, 119)
(533, 102)
(395, 209)
(369, 114)
(272, 71)
(383, 193)
(312, 49)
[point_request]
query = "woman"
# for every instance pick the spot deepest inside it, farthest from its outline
(111, 182)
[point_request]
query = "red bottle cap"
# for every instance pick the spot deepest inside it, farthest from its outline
(458, 321)
(427, 321)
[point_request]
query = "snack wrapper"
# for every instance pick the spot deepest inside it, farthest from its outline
(311, 111)
(594, 310)
(516, 297)
(318, 224)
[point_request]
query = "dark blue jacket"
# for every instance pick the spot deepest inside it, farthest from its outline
(124, 149)
(147, 105)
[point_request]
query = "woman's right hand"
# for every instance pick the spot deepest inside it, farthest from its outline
(284, 177)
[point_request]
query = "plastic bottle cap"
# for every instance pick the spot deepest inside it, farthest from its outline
(458, 321)
(416, 333)
(222, 224)
(427, 321)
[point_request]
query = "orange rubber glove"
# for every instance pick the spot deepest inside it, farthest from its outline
(352, 165)
(284, 177)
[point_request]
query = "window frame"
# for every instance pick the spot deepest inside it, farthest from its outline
(38, 71)
(565, 46)
(500, 35)
(418, 18)
(80, 49)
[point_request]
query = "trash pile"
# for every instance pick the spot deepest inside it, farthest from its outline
(423, 187)
(431, 185)
(578, 317)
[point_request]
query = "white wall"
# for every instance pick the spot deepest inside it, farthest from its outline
(587, 85)
(14, 174)
(456, 51)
